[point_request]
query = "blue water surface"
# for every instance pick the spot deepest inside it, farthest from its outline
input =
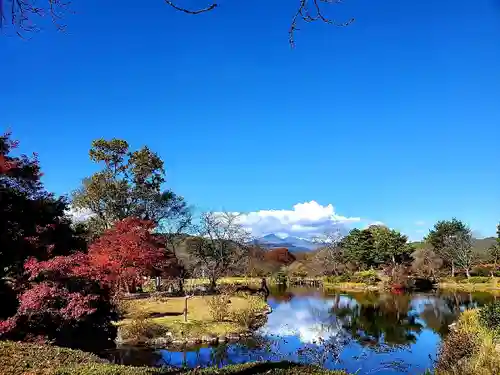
(363, 333)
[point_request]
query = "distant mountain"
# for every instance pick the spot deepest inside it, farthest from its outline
(293, 244)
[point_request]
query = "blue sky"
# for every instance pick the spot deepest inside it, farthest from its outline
(393, 119)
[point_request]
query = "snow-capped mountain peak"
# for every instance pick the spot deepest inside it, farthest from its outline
(292, 243)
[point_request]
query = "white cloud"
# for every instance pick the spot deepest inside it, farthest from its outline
(308, 319)
(78, 215)
(305, 220)
(419, 223)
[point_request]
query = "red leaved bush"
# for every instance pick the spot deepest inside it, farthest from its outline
(126, 252)
(48, 290)
(62, 302)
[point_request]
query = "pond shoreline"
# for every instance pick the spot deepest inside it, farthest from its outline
(160, 322)
(490, 286)
(171, 342)
(302, 318)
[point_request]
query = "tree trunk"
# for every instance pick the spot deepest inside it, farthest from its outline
(213, 284)
(185, 308)
(467, 273)
(452, 269)
(180, 284)
(157, 283)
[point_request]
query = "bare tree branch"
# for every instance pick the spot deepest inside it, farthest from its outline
(197, 11)
(23, 12)
(306, 14)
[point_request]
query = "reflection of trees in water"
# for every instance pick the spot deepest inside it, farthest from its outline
(442, 309)
(223, 354)
(377, 322)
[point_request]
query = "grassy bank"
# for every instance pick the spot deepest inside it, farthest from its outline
(351, 287)
(343, 283)
(158, 317)
(474, 284)
(472, 346)
(30, 359)
(250, 281)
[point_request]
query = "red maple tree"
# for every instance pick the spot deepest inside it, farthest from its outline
(126, 252)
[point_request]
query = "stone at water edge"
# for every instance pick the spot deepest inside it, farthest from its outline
(233, 337)
(210, 339)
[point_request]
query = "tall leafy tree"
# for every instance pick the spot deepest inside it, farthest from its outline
(440, 239)
(390, 245)
(130, 184)
(494, 251)
(498, 235)
(376, 245)
(358, 247)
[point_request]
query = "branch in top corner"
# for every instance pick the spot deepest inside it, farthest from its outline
(189, 11)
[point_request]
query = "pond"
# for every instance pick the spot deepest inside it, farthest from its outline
(363, 333)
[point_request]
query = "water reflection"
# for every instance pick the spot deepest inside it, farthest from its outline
(379, 333)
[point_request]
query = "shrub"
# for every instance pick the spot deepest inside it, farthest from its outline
(158, 297)
(280, 278)
(481, 271)
(149, 286)
(122, 306)
(458, 346)
(344, 278)
(141, 329)
(489, 316)
(367, 277)
(248, 317)
(476, 280)
(219, 307)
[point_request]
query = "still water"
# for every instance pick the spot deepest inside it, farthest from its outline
(363, 333)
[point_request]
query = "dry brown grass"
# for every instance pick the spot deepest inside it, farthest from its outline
(169, 314)
(470, 350)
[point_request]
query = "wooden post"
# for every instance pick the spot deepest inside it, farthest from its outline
(186, 309)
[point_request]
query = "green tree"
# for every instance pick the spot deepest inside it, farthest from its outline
(494, 251)
(391, 247)
(129, 185)
(376, 245)
(441, 239)
(358, 247)
(498, 235)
